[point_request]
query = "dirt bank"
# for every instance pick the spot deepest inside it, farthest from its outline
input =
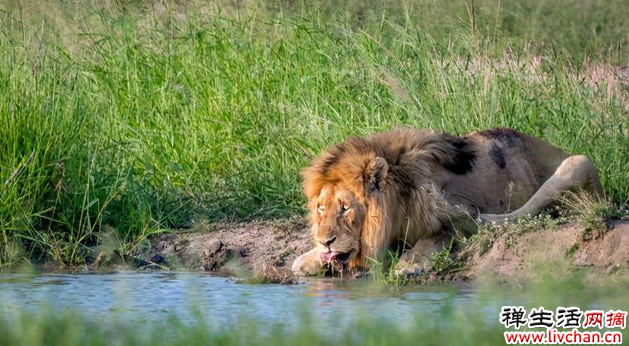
(265, 250)
(261, 250)
(519, 255)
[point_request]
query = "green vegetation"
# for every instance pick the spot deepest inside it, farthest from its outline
(483, 240)
(442, 262)
(572, 250)
(70, 329)
(120, 119)
(384, 272)
(594, 214)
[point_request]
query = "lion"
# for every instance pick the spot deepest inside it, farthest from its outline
(413, 188)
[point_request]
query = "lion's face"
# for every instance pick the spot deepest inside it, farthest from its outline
(337, 217)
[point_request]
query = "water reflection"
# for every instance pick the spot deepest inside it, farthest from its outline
(155, 297)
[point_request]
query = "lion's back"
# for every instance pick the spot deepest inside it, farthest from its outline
(510, 166)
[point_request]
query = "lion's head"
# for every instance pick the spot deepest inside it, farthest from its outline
(340, 196)
(337, 220)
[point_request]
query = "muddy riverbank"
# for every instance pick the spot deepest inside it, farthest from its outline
(260, 250)
(265, 250)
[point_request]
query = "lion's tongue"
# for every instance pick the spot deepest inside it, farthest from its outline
(328, 257)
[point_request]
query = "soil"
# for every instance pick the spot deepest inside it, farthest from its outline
(515, 256)
(263, 251)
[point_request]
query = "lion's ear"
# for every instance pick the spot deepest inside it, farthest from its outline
(375, 175)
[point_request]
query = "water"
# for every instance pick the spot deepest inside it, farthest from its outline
(156, 297)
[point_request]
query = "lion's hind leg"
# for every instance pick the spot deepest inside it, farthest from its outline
(573, 173)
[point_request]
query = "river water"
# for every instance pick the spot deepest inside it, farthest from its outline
(157, 297)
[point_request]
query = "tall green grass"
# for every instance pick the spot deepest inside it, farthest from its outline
(143, 116)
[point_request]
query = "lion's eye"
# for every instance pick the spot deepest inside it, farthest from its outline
(321, 208)
(345, 207)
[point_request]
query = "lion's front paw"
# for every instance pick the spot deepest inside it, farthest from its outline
(408, 270)
(307, 264)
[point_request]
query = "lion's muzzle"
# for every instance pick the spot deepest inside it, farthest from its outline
(331, 257)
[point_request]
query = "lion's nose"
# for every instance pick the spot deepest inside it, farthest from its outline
(327, 241)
